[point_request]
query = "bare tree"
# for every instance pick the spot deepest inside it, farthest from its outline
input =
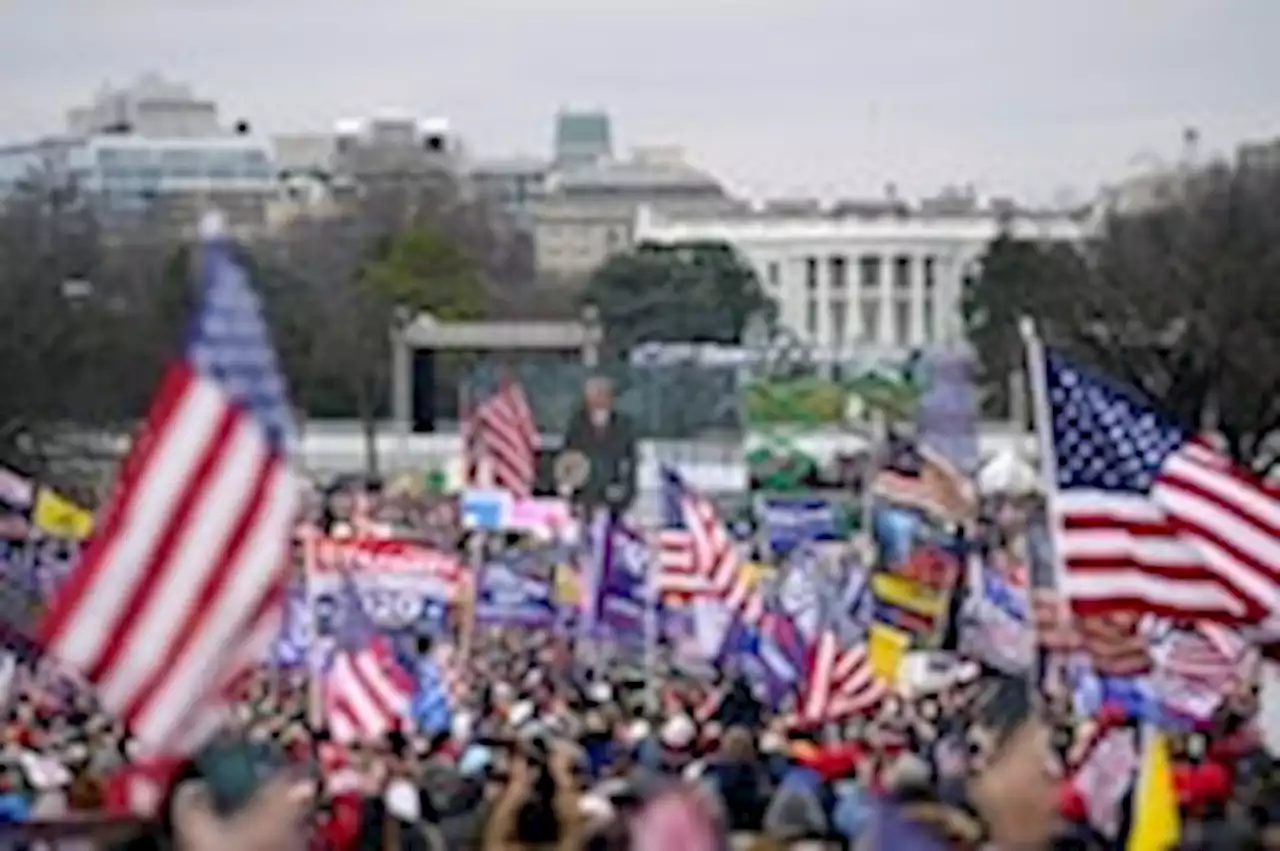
(1176, 299)
(341, 285)
(60, 353)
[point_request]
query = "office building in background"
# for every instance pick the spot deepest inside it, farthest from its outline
(582, 138)
(154, 154)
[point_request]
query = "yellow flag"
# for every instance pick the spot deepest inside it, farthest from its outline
(886, 646)
(1155, 801)
(59, 517)
(907, 594)
(567, 589)
(753, 571)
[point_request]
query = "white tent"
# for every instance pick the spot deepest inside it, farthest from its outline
(1008, 474)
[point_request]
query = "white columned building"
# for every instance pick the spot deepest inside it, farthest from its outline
(854, 284)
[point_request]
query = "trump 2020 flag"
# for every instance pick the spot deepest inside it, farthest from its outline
(513, 593)
(625, 592)
(180, 588)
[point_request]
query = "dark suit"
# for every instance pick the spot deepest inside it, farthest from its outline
(611, 451)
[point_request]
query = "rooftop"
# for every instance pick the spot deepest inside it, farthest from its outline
(637, 174)
(510, 165)
(852, 209)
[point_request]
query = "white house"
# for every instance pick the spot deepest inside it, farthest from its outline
(882, 277)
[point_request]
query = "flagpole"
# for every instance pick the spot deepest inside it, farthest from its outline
(651, 626)
(466, 617)
(878, 430)
(1042, 427)
(315, 698)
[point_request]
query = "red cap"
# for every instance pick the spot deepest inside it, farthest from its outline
(1071, 805)
(833, 761)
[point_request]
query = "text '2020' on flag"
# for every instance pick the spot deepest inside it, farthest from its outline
(180, 588)
(1151, 518)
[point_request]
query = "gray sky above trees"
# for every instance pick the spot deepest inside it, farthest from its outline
(824, 96)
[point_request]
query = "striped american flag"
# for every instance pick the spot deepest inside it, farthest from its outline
(1208, 653)
(918, 477)
(696, 555)
(1115, 643)
(500, 441)
(181, 587)
(840, 683)
(366, 691)
(1152, 519)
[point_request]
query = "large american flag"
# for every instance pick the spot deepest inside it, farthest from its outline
(696, 555)
(500, 441)
(366, 691)
(840, 683)
(1152, 520)
(181, 586)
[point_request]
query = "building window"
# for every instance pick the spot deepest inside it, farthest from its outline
(869, 271)
(930, 273)
(839, 322)
(902, 273)
(811, 274)
(811, 317)
(929, 320)
(869, 308)
(773, 273)
(902, 322)
(839, 273)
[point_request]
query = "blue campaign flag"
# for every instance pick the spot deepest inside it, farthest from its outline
(780, 656)
(624, 588)
(790, 521)
(854, 614)
(800, 593)
(290, 648)
(431, 706)
(1005, 597)
(508, 594)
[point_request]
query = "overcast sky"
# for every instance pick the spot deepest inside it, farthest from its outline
(776, 96)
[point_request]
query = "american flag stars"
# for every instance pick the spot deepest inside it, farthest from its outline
(1106, 439)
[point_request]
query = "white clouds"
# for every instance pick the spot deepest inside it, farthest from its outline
(781, 93)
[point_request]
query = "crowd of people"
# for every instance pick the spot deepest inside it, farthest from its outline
(542, 753)
(545, 750)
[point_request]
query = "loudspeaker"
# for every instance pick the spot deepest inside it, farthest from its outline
(544, 481)
(423, 374)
